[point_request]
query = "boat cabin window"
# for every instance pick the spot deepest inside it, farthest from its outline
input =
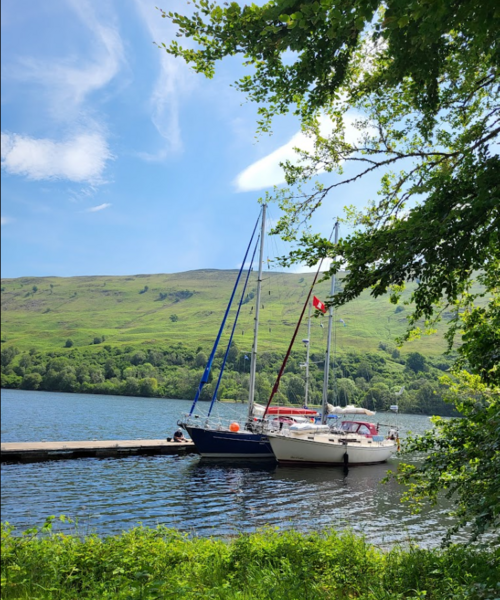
(356, 427)
(349, 426)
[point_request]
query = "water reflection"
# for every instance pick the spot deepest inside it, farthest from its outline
(204, 498)
(199, 496)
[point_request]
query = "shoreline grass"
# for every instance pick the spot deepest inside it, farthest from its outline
(145, 563)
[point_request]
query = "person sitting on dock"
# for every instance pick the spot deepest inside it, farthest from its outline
(179, 436)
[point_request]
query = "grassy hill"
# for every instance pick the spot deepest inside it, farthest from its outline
(187, 308)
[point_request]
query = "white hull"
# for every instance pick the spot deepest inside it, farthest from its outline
(242, 455)
(325, 449)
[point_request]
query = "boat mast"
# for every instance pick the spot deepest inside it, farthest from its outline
(253, 361)
(308, 344)
(324, 410)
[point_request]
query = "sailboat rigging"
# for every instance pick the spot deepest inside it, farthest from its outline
(307, 342)
(355, 442)
(214, 439)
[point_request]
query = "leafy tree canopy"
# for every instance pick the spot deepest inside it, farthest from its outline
(462, 458)
(411, 39)
(416, 362)
(419, 83)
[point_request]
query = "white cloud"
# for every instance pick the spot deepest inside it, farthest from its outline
(98, 208)
(80, 159)
(6, 220)
(267, 171)
(66, 83)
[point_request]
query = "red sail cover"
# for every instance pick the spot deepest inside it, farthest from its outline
(290, 410)
(319, 305)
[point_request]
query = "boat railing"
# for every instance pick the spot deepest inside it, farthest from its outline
(273, 425)
(214, 423)
(334, 434)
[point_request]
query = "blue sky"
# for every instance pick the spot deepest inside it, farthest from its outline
(116, 158)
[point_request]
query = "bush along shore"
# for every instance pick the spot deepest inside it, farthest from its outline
(145, 563)
(373, 380)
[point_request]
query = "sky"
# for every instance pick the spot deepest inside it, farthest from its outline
(117, 159)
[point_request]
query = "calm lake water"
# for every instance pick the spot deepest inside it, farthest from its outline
(206, 498)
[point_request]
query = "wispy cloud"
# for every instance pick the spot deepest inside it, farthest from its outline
(174, 80)
(98, 208)
(6, 220)
(67, 82)
(165, 111)
(80, 156)
(267, 171)
(83, 193)
(80, 159)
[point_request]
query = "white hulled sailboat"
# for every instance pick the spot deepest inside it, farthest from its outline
(353, 443)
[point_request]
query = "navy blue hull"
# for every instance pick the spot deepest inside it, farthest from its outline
(228, 444)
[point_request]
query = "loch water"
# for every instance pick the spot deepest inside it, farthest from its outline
(197, 496)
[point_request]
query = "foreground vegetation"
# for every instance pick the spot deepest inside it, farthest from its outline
(160, 563)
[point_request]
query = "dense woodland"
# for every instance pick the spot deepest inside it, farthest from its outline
(372, 380)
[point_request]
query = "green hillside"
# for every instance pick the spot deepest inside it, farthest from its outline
(150, 335)
(187, 308)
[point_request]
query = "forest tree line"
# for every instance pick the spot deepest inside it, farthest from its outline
(372, 380)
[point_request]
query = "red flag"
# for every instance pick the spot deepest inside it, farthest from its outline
(319, 305)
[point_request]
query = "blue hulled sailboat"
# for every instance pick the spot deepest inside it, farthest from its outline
(212, 438)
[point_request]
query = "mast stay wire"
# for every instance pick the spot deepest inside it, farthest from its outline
(327, 366)
(275, 285)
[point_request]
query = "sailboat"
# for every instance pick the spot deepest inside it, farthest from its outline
(216, 439)
(353, 443)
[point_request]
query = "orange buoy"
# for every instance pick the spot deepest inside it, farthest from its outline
(234, 427)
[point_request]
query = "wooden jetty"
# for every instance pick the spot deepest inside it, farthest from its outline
(39, 451)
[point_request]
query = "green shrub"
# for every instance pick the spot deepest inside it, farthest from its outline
(162, 563)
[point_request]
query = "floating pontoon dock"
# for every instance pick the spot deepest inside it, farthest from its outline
(38, 451)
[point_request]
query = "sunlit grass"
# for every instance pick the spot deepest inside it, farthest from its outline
(81, 308)
(161, 563)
